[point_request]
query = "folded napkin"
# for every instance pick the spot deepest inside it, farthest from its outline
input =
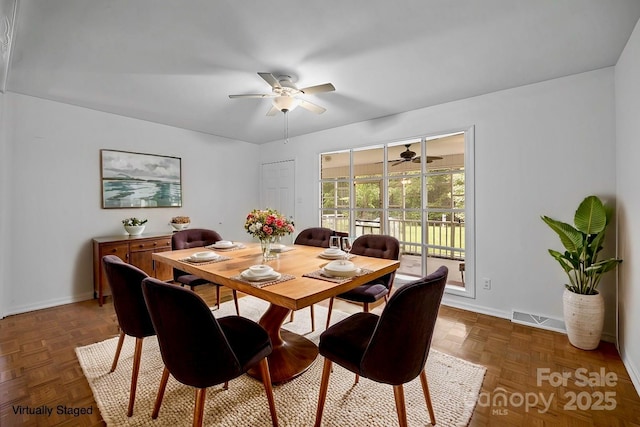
(319, 274)
(209, 261)
(283, 278)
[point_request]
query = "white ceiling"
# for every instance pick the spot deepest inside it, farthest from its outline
(176, 62)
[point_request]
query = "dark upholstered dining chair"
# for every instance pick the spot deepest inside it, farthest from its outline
(201, 351)
(378, 246)
(192, 238)
(391, 348)
(318, 237)
(125, 281)
(315, 236)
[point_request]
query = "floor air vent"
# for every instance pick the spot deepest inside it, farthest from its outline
(538, 321)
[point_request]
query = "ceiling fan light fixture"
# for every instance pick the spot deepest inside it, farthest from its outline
(285, 103)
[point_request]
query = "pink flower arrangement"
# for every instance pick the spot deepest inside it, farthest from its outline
(265, 223)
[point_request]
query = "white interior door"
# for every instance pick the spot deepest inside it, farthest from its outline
(278, 184)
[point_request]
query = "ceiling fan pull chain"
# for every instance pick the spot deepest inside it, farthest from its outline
(286, 128)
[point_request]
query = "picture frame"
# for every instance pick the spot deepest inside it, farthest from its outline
(139, 180)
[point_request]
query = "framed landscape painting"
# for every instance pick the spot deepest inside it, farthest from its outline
(136, 180)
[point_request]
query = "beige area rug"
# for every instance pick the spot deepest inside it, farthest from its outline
(454, 386)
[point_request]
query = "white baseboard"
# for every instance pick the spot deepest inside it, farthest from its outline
(505, 315)
(633, 372)
(48, 304)
(446, 300)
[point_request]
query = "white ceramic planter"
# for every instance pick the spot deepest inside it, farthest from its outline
(583, 318)
(179, 226)
(134, 230)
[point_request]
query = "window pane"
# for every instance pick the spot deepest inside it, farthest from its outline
(405, 225)
(404, 193)
(368, 163)
(405, 157)
(368, 222)
(458, 190)
(368, 194)
(336, 220)
(335, 194)
(439, 191)
(334, 165)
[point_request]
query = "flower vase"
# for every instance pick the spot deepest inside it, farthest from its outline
(265, 245)
(583, 318)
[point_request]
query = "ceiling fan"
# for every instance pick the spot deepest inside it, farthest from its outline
(410, 156)
(284, 93)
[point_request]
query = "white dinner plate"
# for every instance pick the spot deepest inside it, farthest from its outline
(332, 256)
(203, 256)
(248, 275)
(223, 246)
(341, 274)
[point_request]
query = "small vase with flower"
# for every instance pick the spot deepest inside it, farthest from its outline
(268, 225)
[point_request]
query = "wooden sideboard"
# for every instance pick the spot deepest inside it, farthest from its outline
(135, 250)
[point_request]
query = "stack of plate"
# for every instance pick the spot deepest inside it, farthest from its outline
(340, 269)
(332, 253)
(260, 273)
(223, 244)
(203, 256)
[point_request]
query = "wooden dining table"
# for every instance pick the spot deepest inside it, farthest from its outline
(292, 353)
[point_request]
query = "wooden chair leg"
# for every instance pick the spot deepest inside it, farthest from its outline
(163, 386)
(427, 396)
(226, 385)
(117, 356)
(401, 409)
(324, 386)
(198, 410)
(313, 318)
(291, 316)
(134, 375)
(366, 307)
(235, 300)
(357, 379)
(268, 388)
(329, 312)
(218, 296)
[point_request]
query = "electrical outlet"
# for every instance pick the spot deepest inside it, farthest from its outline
(486, 283)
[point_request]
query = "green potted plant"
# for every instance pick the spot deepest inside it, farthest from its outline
(583, 305)
(134, 226)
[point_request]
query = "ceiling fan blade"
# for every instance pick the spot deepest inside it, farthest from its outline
(268, 77)
(312, 107)
(430, 159)
(254, 95)
(273, 111)
(327, 87)
(396, 163)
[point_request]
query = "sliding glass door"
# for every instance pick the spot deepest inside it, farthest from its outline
(415, 190)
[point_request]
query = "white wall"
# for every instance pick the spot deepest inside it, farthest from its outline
(627, 94)
(540, 149)
(5, 172)
(52, 204)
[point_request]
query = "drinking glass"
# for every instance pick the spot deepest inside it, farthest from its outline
(334, 242)
(347, 243)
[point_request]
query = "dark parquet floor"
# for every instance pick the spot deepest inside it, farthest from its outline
(38, 368)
